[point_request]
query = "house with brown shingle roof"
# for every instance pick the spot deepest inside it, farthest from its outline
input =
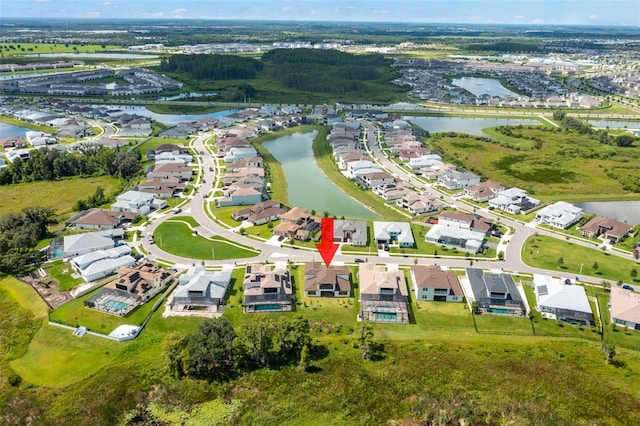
(432, 284)
(323, 281)
(610, 229)
(484, 191)
(170, 170)
(297, 224)
(261, 213)
(267, 289)
(625, 308)
(103, 219)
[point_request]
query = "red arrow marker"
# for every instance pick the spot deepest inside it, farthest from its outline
(327, 248)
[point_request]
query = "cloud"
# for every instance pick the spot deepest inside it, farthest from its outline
(106, 3)
(178, 12)
(594, 17)
(519, 17)
(287, 9)
(380, 11)
(92, 14)
(41, 1)
(537, 21)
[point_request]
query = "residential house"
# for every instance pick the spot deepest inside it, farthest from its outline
(235, 154)
(251, 162)
(349, 156)
(323, 281)
(454, 179)
(383, 294)
(610, 229)
(432, 284)
(558, 299)
(242, 194)
(353, 231)
(297, 224)
(461, 230)
(162, 188)
(377, 178)
(75, 245)
(514, 201)
(173, 158)
(484, 191)
(171, 170)
(137, 202)
(261, 213)
(101, 263)
(495, 293)
(392, 191)
(102, 219)
(22, 153)
(200, 291)
(267, 289)
(426, 160)
(559, 215)
(385, 233)
(418, 203)
(356, 168)
(12, 142)
(625, 308)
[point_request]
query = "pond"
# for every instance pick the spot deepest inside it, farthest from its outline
(170, 119)
(91, 55)
(615, 124)
(483, 86)
(471, 126)
(624, 211)
(7, 130)
(307, 185)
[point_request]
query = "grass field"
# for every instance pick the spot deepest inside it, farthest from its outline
(60, 195)
(20, 123)
(61, 271)
(545, 252)
(24, 295)
(154, 142)
(567, 164)
(177, 238)
(36, 48)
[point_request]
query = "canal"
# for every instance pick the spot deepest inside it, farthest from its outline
(307, 185)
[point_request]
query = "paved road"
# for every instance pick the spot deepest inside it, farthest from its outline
(209, 179)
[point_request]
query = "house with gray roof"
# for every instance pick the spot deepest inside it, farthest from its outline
(353, 231)
(200, 291)
(514, 201)
(137, 202)
(494, 293)
(101, 263)
(75, 245)
(558, 299)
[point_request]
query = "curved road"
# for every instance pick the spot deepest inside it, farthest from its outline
(207, 181)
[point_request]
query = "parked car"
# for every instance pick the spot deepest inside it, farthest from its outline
(358, 260)
(628, 287)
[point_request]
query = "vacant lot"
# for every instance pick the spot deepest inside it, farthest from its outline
(60, 195)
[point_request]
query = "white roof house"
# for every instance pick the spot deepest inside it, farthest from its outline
(427, 160)
(355, 168)
(84, 260)
(388, 232)
(559, 215)
(134, 201)
(560, 300)
(107, 266)
(235, 154)
(173, 158)
(513, 200)
(76, 245)
(202, 288)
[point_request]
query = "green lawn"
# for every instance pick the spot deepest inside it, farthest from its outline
(70, 49)
(154, 142)
(20, 123)
(61, 271)
(56, 359)
(177, 238)
(60, 195)
(545, 252)
(75, 314)
(503, 324)
(25, 295)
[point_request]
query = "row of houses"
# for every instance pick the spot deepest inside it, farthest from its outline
(168, 177)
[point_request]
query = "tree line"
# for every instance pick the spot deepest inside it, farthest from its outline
(20, 234)
(90, 160)
(216, 352)
(213, 67)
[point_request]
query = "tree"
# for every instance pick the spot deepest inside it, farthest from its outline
(304, 358)
(609, 349)
(561, 261)
(365, 342)
(606, 285)
(625, 140)
(207, 353)
(634, 274)
(595, 267)
(255, 344)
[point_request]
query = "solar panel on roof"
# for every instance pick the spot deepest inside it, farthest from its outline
(543, 290)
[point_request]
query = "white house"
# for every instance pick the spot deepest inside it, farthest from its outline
(558, 299)
(355, 168)
(454, 179)
(559, 215)
(235, 154)
(137, 202)
(513, 200)
(76, 245)
(389, 232)
(173, 158)
(423, 161)
(200, 291)
(99, 264)
(460, 230)
(377, 178)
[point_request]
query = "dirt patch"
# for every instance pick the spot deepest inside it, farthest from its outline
(47, 288)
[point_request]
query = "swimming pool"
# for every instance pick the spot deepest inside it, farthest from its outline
(269, 307)
(386, 316)
(115, 304)
(500, 311)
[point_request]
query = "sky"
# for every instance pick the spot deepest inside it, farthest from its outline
(529, 12)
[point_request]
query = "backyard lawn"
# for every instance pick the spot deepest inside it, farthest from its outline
(61, 271)
(177, 238)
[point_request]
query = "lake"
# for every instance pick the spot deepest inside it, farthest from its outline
(7, 130)
(624, 211)
(615, 124)
(91, 55)
(471, 126)
(171, 118)
(483, 86)
(307, 185)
